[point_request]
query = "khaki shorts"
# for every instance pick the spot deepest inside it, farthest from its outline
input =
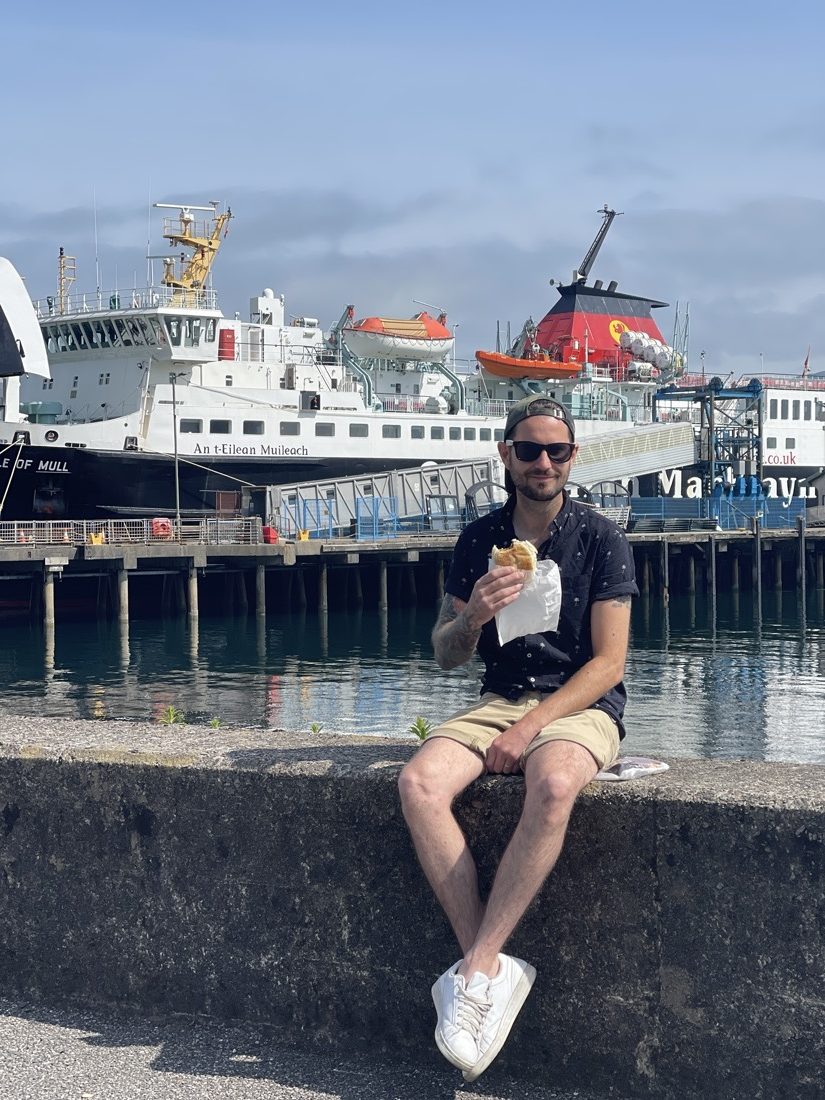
(479, 726)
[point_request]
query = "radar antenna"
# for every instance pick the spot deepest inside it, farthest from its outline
(583, 270)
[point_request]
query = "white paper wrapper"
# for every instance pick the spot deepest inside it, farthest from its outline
(537, 607)
(631, 767)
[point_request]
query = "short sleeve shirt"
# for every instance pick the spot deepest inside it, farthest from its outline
(595, 562)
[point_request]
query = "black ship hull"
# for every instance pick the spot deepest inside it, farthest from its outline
(44, 483)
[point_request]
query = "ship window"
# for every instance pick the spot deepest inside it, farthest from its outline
(773, 408)
(784, 410)
(48, 383)
(455, 433)
(485, 435)
(173, 330)
(498, 435)
(210, 329)
(790, 442)
(220, 427)
(391, 431)
(359, 431)
(398, 387)
(80, 336)
(806, 408)
(122, 331)
(771, 442)
(253, 427)
(469, 433)
(437, 433)
(228, 381)
(417, 431)
(324, 428)
(795, 413)
(190, 427)
(290, 427)
(111, 332)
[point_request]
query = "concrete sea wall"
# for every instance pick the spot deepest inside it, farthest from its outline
(680, 942)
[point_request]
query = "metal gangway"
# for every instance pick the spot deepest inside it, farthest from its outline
(432, 497)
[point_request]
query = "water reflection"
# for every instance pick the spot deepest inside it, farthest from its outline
(707, 677)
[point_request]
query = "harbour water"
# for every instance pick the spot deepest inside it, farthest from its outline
(734, 684)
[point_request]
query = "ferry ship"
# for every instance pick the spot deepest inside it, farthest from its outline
(145, 402)
(138, 402)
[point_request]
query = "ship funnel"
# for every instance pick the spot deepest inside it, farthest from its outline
(598, 284)
(611, 286)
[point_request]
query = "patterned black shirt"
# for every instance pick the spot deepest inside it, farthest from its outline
(595, 562)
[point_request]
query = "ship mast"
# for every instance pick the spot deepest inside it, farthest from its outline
(66, 274)
(202, 237)
(583, 270)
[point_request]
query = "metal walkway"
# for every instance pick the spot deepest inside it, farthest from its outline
(433, 495)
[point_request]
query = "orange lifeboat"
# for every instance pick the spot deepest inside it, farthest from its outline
(421, 337)
(507, 366)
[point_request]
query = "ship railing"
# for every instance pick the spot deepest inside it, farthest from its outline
(207, 530)
(151, 297)
(403, 403)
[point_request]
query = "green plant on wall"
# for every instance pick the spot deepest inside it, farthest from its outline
(315, 727)
(420, 728)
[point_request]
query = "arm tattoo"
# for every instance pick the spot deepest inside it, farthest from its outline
(620, 601)
(454, 640)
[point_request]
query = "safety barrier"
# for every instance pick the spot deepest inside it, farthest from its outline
(208, 531)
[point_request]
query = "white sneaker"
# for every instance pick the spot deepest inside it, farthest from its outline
(505, 994)
(462, 1008)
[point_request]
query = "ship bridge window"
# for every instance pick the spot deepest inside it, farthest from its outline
(191, 332)
(122, 331)
(417, 431)
(773, 408)
(112, 333)
(359, 431)
(173, 331)
(290, 427)
(437, 433)
(220, 427)
(455, 433)
(209, 335)
(253, 427)
(806, 409)
(324, 429)
(190, 427)
(790, 442)
(485, 435)
(391, 431)
(469, 433)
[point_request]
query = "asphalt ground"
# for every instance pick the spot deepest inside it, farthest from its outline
(70, 1053)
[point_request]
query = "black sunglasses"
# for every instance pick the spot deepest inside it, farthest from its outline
(528, 451)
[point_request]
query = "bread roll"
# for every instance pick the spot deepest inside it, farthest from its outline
(523, 555)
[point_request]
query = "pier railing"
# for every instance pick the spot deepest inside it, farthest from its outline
(208, 531)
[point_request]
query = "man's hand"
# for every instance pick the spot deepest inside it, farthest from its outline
(504, 754)
(491, 593)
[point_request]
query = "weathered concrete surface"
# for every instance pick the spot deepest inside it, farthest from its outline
(679, 943)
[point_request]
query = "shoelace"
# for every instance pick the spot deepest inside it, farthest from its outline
(471, 1011)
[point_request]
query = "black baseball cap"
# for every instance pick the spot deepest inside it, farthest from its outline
(538, 406)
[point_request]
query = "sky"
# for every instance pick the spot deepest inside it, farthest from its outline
(455, 154)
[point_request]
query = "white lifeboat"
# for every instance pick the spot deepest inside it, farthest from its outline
(421, 338)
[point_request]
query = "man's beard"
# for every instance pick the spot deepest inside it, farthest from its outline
(527, 488)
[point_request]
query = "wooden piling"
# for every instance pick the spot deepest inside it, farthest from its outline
(123, 595)
(383, 603)
(260, 589)
(323, 593)
(192, 592)
(48, 597)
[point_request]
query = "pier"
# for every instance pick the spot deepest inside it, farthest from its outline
(116, 570)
